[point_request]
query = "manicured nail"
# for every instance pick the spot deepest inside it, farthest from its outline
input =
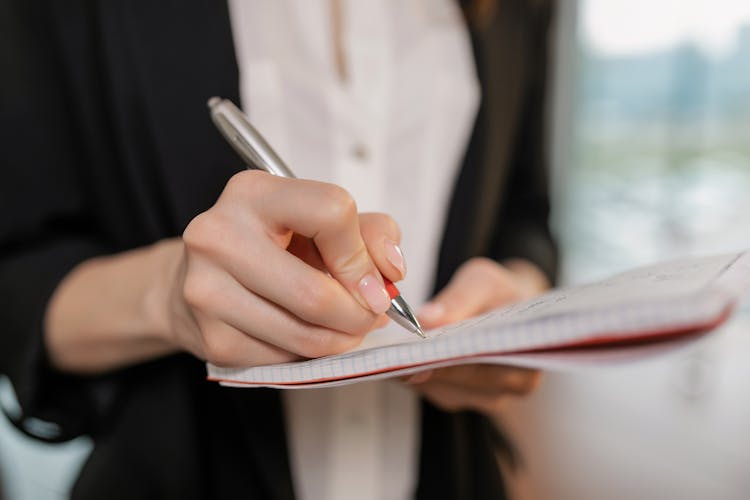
(374, 293)
(395, 256)
(431, 312)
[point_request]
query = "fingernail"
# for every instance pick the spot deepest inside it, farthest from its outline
(395, 256)
(431, 312)
(374, 293)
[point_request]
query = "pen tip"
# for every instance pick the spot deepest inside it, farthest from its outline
(420, 332)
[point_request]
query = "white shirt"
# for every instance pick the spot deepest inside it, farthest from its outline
(393, 134)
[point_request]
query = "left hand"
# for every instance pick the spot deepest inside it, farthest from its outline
(478, 286)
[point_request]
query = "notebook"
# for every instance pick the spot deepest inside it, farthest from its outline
(642, 312)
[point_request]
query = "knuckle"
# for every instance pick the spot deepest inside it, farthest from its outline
(245, 183)
(204, 292)
(235, 186)
(197, 231)
(206, 233)
(354, 262)
(339, 207)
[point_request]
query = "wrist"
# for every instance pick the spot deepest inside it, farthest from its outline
(110, 311)
(165, 259)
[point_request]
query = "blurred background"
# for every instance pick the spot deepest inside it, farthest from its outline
(651, 161)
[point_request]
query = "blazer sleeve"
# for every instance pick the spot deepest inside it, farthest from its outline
(44, 229)
(522, 224)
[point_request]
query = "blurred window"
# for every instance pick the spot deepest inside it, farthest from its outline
(658, 162)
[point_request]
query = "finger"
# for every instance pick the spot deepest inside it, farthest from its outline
(276, 275)
(328, 215)
(227, 300)
(418, 378)
(305, 249)
(308, 293)
(382, 237)
(464, 296)
(476, 287)
(224, 345)
(490, 380)
(451, 398)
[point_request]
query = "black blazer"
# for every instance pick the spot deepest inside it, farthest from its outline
(106, 146)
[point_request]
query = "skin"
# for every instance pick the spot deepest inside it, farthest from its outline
(478, 286)
(253, 281)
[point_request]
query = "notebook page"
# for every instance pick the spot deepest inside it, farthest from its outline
(665, 281)
(578, 360)
(674, 295)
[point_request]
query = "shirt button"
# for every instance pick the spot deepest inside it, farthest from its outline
(359, 152)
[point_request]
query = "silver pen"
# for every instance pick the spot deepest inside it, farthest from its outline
(258, 154)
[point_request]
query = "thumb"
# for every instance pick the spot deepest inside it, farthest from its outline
(463, 297)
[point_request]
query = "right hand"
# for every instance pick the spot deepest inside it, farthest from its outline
(278, 270)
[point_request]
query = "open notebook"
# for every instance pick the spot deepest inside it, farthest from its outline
(628, 316)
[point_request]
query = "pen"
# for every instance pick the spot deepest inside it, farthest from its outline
(258, 154)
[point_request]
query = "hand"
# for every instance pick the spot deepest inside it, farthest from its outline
(281, 269)
(478, 286)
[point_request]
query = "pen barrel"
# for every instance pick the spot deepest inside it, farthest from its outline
(246, 141)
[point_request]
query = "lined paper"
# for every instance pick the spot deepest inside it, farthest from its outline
(659, 301)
